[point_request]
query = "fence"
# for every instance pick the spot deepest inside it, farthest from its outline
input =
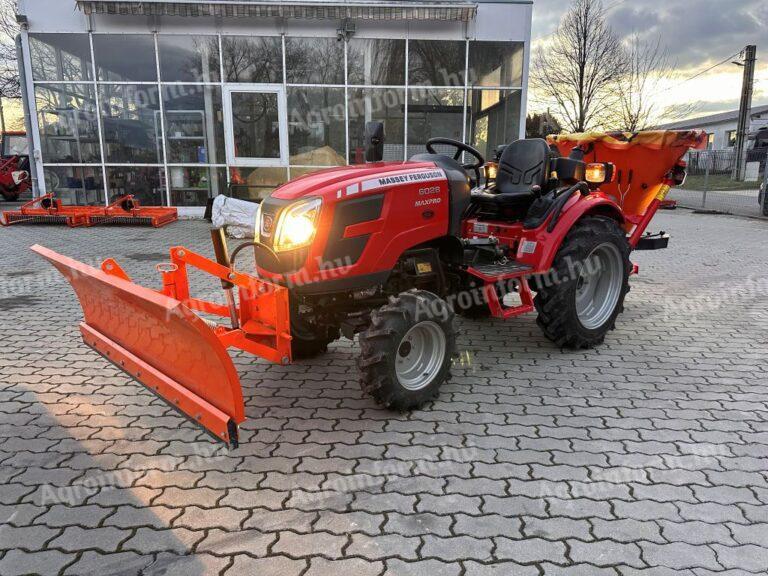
(710, 185)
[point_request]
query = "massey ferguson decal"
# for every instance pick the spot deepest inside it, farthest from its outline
(421, 176)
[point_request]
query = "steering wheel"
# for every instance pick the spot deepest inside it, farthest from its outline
(460, 147)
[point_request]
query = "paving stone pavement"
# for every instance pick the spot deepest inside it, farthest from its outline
(646, 456)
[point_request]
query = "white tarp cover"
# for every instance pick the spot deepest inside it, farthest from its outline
(238, 217)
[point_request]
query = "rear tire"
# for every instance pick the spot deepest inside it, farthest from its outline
(579, 302)
(406, 353)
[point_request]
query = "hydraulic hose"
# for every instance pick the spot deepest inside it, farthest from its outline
(256, 246)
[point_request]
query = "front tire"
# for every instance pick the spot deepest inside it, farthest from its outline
(314, 346)
(579, 301)
(309, 340)
(406, 353)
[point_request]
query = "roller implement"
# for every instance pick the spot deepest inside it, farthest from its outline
(125, 210)
(389, 252)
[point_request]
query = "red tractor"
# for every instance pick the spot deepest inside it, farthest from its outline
(14, 165)
(389, 252)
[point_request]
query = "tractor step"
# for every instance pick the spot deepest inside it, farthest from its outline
(494, 275)
(496, 272)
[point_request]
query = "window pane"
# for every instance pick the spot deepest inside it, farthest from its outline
(376, 62)
(60, 56)
(76, 184)
(258, 60)
(256, 124)
(384, 105)
(314, 60)
(495, 63)
(68, 124)
(124, 57)
(194, 126)
(299, 171)
(147, 184)
(436, 62)
(189, 58)
(256, 183)
(15, 145)
(493, 118)
(316, 131)
(434, 113)
(131, 123)
(193, 186)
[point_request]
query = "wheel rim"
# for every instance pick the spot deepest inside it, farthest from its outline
(419, 356)
(598, 286)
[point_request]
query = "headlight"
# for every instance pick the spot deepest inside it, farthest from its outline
(257, 224)
(296, 226)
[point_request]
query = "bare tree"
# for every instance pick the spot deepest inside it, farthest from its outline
(577, 71)
(9, 71)
(647, 66)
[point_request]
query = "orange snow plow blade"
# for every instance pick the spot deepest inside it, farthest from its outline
(158, 340)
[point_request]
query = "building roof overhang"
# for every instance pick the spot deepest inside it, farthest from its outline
(460, 11)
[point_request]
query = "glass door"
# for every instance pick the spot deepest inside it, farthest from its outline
(256, 125)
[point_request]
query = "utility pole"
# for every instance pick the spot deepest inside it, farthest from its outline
(745, 108)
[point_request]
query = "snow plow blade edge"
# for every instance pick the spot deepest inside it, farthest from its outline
(160, 342)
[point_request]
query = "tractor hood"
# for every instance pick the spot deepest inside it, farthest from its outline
(352, 209)
(333, 179)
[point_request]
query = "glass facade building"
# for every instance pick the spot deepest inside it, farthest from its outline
(176, 118)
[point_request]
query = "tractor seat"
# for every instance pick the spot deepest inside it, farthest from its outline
(524, 164)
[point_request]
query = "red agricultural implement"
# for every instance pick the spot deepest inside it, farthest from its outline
(14, 165)
(126, 210)
(388, 252)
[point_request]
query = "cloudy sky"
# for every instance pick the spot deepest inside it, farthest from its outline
(697, 34)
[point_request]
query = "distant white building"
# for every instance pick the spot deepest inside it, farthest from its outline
(721, 128)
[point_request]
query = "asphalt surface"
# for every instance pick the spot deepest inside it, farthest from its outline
(645, 456)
